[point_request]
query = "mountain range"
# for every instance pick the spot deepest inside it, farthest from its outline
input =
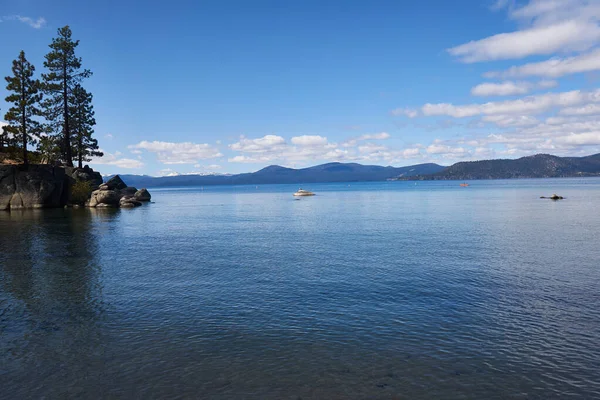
(331, 172)
(536, 166)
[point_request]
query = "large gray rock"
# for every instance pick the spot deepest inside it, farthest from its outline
(128, 191)
(109, 197)
(32, 186)
(129, 202)
(142, 195)
(116, 183)
(85, 174)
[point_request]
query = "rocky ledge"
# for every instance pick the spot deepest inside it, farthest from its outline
(115, 193)
(47, 186)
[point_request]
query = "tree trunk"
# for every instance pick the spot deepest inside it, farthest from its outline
(68, 154)
(79, 151)
(23, 117)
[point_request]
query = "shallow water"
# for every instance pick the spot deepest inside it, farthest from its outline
(367, 290)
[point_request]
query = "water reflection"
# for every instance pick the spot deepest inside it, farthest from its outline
(51, 297)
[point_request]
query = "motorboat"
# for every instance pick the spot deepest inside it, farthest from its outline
(464, 184)
(302, 192)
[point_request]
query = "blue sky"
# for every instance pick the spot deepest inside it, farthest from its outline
(233, 86)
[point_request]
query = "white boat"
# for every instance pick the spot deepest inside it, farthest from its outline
(301, 192)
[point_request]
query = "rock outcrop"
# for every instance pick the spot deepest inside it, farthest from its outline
(47, 186)
(33, 186)
(142, 195)
(85, 174)
(116, 183)
(115, 193)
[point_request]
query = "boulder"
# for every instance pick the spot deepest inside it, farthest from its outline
(104, 186)
(98, 197)
(116, 183)
(128, 191)
(142, 195)
(128, 202)
(85, 174)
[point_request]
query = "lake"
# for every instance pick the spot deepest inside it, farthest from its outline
(389, 290)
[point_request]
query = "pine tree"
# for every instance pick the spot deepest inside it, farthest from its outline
(25, 97)
(84, 146)
(50, 149)
(64, 75)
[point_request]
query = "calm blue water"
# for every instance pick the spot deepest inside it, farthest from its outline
(368, 290)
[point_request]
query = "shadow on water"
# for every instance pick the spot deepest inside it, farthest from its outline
(50, 295)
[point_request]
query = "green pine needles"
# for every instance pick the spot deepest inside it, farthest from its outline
(55, 113)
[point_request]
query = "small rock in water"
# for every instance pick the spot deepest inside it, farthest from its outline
(553, 197)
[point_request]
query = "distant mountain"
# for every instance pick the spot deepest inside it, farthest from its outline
(537, 166)
(332, 172)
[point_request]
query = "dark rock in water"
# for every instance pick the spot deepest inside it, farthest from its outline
(142, 195)
(99, 197)
(553, 197)
(116, 183)
(32, 186)
(128, 191)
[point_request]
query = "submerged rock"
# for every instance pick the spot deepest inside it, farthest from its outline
(142, 195)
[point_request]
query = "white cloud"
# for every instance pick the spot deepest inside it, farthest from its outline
(589, 109)
(510, 121)
(308, 140)
(563, 36)
(113, 159)
(446, 150)
(249, 159)
(500, 89)
(306, 150)
(581, 139)
(509, 88)
(34, 23)
(375, 136)
(367, 136)
(264, 144)
(178, 153)
(108, 136)
(408, 112)
(526, 106)
(547, 27)
(554, 68)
